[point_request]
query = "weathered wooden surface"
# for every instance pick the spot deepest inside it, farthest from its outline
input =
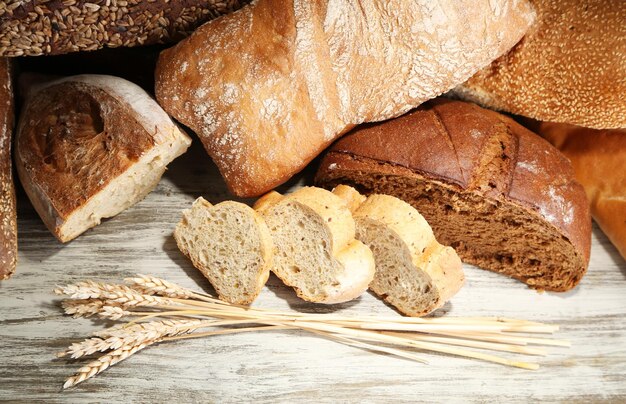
(286, 366)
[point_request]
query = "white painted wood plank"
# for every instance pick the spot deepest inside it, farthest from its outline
(285, 366)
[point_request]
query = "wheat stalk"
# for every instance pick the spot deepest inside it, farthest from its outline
(111, 293)
(174, 312)
(131, 335)
(150, 285)
(82, 307)
(104, 362)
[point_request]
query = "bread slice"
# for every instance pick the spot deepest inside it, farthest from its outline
(230, 244)
(500, 195)
(414, 273)
(315, 251)
(89, 147)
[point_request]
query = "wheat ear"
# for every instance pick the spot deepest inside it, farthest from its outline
(104, 362)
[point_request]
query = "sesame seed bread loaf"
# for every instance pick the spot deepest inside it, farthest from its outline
(8, 223)
(32, 28)
(315, 250)
(570, 67)
(230, 244)
(90, 146)
(414, 273)
(599, 161)
(269, 86)
(500, 195)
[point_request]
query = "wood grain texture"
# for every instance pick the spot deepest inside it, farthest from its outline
(285, 366)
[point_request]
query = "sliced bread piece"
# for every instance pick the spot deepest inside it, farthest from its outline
(230, 244)
(315, 251)
(90, 146)
(414, 273)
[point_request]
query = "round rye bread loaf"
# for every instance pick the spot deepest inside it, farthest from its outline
(502, 196)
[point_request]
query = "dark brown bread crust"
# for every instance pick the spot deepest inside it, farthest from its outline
(54, 27)
(478, 153)
(8, 224)
(599, 159)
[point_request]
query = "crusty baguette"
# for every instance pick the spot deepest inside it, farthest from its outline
(268, 87)
(89, 147)
(52, 27)
(599, 161)
(414, 273)
(315, 251)
(500, 195)
(230, 244)
(570, 67)
(8, 219)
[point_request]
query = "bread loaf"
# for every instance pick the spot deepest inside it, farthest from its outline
(8, 223)
(268, 87)
(500, 195)
(570, 67)
(414, 273)
(32, 28)
(230, 244)
(599, 161)
(315, 251)
(89, 147)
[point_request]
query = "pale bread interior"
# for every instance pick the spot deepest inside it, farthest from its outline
(125, 190)
(397, 280)
(230, 244)
(315, 251)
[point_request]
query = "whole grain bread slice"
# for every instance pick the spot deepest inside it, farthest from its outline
(315, 250)
(414, 273)
(230, 244)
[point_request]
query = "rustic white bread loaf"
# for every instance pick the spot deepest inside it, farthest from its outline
(570, 67)
(315, 251)
(230, 244)
(268, 87)
(89, 147)
(414, 273)
(8, 216)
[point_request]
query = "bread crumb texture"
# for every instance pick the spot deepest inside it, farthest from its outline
(230, 244)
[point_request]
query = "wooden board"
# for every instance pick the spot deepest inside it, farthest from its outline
(286, 366)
